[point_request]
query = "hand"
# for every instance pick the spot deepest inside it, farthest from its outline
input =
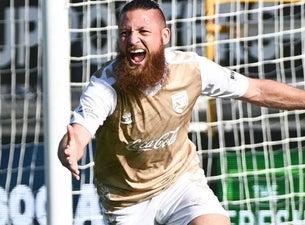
(68, 152)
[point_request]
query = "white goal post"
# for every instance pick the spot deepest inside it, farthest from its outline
(253, 157)
(56, 89)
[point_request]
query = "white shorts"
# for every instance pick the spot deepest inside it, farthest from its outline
(187, 199)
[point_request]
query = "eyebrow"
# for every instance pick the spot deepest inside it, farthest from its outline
(139, 28)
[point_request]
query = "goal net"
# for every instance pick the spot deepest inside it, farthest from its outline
(252, 156)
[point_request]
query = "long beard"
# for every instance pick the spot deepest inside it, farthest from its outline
(137, 79)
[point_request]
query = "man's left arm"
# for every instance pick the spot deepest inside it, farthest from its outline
(274, 94)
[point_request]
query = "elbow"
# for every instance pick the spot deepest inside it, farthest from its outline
(256, 94)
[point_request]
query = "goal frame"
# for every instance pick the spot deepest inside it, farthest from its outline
(57, 108)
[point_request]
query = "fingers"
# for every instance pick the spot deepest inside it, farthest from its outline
(67, 153)
(71, 162)
(76, 176)
(73, 167)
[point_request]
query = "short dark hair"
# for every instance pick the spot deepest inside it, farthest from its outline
(141, 4)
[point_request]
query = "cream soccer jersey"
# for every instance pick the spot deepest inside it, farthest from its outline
(142, 142)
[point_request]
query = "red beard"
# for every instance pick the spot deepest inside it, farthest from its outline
(137, 79)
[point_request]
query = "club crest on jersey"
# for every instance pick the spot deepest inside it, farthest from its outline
(180, 101)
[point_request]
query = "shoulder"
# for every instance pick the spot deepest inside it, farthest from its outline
(183, 71)
(182, 63)
(105, 74)
(178, 57)
(101, 84)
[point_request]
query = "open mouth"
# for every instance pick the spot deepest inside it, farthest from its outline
(137, 55)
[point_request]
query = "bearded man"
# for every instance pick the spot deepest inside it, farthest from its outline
(138, 107)
(141, 61)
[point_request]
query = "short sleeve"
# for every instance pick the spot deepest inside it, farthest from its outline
(218, 81)
(97, 102)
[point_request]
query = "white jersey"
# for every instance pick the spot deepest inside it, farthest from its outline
(142, 142)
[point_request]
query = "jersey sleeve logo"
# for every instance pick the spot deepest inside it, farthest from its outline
(180, 101)
(232, 75)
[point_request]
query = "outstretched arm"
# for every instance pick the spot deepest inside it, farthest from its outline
(71, 147)
(274, 94)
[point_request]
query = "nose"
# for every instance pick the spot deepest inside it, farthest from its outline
(133, 38)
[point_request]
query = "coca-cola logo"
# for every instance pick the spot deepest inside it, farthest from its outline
(165, 140)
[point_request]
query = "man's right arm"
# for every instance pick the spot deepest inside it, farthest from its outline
(71, 147)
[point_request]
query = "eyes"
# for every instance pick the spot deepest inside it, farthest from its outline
(125, 33)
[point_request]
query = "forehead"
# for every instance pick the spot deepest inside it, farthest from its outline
(140, 17)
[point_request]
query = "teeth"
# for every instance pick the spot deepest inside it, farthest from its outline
(137, 51)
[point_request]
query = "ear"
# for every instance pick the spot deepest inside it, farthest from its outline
(165, 35)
